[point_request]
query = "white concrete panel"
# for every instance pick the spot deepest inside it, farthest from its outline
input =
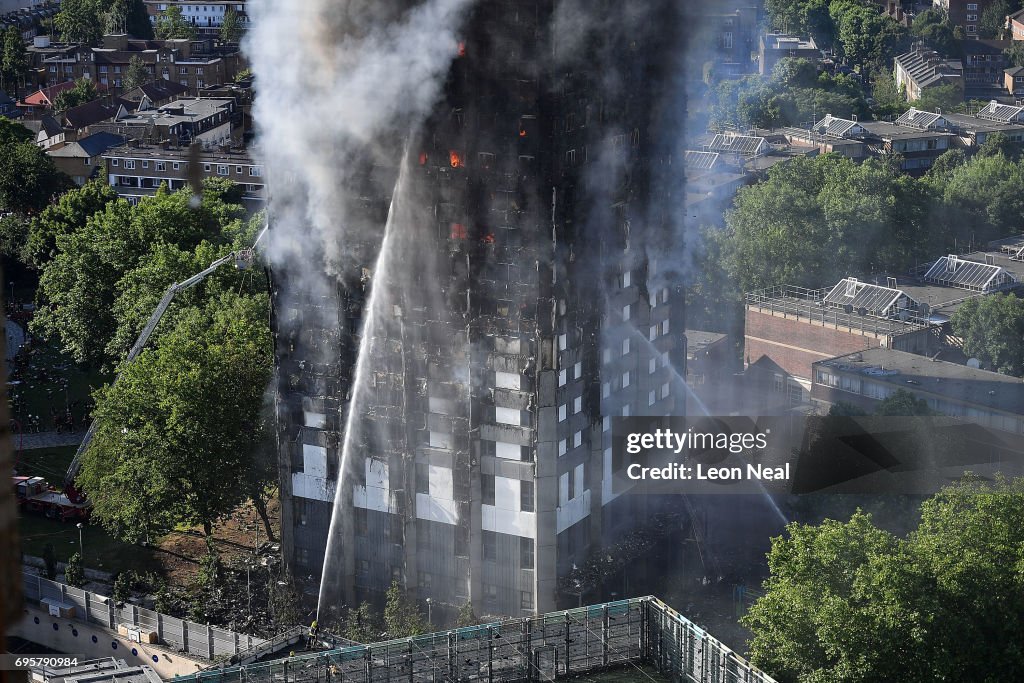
(509, 522)
(574, 511)
(314, 460)
(563, 489)
(376, 494)
(441, 440)
(509, 451)
(507, 380)
(440, 405)
(314, 488)
(440, 483)
(315, 420)
(434, 510)
(508, 416)
(506, 493)
(607, 495)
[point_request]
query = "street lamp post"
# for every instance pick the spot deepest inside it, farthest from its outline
(81, 546)
(429, 604)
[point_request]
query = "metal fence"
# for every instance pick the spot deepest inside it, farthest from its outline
(623, 634)
(199, 640)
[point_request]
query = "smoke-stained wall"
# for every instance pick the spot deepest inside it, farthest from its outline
(474, 271)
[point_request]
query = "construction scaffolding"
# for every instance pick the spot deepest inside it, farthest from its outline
(622, 635)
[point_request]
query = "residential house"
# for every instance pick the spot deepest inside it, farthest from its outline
(918, 137)
(774, 46)
(963, 13)
(864, 378)
(39, 103)
(153, 94)
(921, 68)
(729, 32)
(204, 120)
(82, 159)
(1013, 80)
(984, 62)
(995, 117)
(138, 169)
(1015, 25)
(207, 16)
(8, 106)
(193, 64)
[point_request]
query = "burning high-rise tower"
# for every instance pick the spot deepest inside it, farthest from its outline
(502, 283)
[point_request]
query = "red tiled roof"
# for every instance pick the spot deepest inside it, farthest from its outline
(46, 96)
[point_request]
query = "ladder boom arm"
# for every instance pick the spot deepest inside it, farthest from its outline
(140, 343)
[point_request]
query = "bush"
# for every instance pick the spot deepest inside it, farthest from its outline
(123, 587)
(50, 560)
(74, 574)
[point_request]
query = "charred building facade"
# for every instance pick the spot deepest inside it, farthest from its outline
(446, 400)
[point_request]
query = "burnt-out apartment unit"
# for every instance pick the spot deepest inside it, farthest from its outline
(525, 293)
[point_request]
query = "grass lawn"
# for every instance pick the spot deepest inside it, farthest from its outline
(102, 551)
(51, 381)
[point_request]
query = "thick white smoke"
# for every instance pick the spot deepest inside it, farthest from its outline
(337, 81)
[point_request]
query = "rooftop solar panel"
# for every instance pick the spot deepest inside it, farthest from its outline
(966, 274)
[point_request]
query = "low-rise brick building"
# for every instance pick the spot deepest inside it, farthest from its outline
(138, 170)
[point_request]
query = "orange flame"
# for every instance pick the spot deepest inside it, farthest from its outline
(423, 158)
(459, 231)
(522, 132)
(455, 158)
(462, 49)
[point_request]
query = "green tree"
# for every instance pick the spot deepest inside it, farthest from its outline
(231, 27)
(80, 286)
(401, 617)
(999, 144)
(362, 624)
(842, 598)
(903, 403)
(129, 16)
(845, 409)
(795, 72)
(814, 221)
(993, 18)
(1015, 53)
(943, 98)
(50, 561)
(80, 21)
(28, 178)
(84, 91)
(890, 100)
(211, 569)
(122, 589)
(933, 27)
(175, 435)
(69, 213)
(13, 232)
(172, 24)
(136, 74)
(992, 329)
(982, 199)
(948, 161)
(74, 575)
(466, 615)
(13, 62)
(13, 132)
